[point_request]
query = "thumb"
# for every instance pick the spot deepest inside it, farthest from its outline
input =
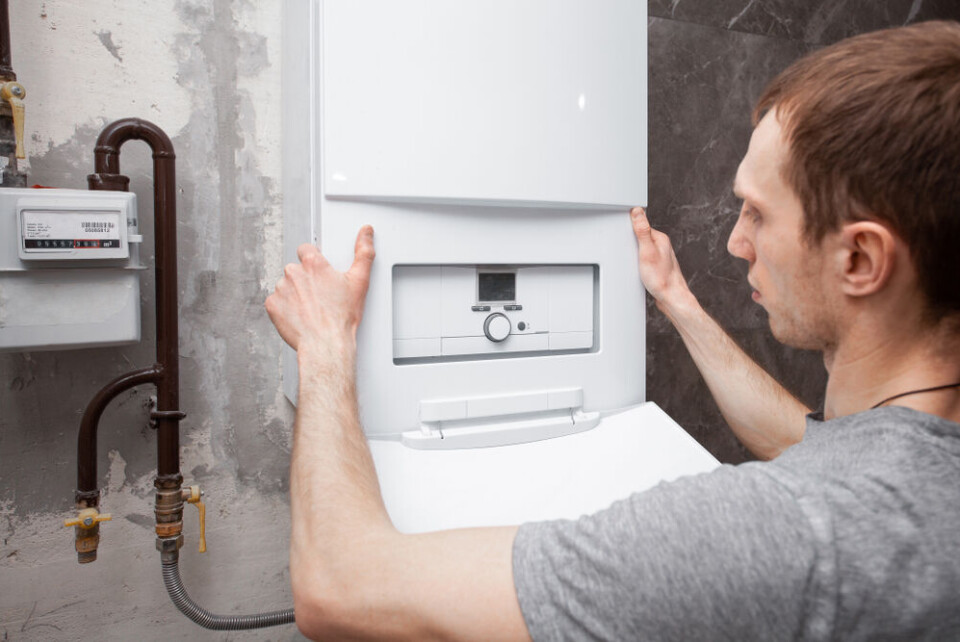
(641, 226)
(363, 254)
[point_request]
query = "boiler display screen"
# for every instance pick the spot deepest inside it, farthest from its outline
(497, 286)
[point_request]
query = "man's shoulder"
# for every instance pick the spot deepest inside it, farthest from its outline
(897, 438)
(897, 418)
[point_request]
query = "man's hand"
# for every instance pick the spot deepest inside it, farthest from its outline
(314, 302)
(659, 269)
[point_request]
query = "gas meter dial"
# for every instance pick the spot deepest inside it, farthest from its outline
(57, 232)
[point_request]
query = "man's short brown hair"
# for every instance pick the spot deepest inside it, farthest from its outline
(873, 124)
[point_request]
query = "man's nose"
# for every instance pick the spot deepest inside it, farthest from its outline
(738, 244)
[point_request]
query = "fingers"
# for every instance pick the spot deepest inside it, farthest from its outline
(652, 242)
(309, 252)
(363, 254)
(641, 226)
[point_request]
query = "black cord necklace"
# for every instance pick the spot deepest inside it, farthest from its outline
(915, 392)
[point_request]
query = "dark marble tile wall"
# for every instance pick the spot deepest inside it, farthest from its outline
(709, 62)
(818, 22)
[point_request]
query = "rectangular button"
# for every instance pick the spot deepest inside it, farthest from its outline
(480, 308)
(482, 345)
(513, 307)
(410, 348)
(443, 410)
(508, 404)
(570, 340)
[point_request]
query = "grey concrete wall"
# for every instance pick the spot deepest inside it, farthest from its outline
(207, 71)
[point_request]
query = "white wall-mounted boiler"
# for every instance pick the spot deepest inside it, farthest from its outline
(496, 146)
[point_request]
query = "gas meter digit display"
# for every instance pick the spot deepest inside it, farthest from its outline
(50, 230)
(497, 286)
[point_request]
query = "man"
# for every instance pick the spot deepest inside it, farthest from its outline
(851, 228)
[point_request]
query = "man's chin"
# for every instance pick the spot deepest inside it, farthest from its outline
(794, 337)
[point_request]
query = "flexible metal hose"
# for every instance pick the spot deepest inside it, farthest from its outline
(206, 619)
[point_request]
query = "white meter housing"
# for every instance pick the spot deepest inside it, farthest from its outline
(69, 262)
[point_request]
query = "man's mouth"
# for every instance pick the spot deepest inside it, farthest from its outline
(755, 294)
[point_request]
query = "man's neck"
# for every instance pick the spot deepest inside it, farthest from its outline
(871, 364)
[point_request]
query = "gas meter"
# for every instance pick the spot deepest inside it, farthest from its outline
(68, 269)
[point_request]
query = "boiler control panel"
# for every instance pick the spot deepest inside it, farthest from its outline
(456, 312)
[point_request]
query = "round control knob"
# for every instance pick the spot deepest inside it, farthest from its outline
(497, 327)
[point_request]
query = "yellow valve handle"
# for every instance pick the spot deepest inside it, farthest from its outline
(88, 518)
(14, 93)
(195, 499)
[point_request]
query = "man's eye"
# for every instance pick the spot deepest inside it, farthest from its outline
(751, 213)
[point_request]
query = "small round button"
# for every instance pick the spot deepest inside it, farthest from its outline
(521, 326)
(497, 327)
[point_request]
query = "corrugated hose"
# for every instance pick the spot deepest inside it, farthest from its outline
(206, 619)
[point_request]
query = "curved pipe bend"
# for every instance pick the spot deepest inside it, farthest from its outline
(87, 437)
(114, 135)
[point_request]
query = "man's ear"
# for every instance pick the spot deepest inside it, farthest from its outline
(868, 255)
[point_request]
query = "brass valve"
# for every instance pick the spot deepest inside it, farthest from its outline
(87, 518)
(14, 93)
(193, 495)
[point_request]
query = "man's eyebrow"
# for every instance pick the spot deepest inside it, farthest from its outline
(743, 196)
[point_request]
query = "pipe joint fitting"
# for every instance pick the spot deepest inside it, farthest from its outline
(111, 182)
(169, 506)
(169, 548)
(169, 513)
(87, 498)
(169, 529)
(175, 415)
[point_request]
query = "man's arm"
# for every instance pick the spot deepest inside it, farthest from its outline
(353, 574)
(762, 414)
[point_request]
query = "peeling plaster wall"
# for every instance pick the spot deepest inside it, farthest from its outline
(207, 72)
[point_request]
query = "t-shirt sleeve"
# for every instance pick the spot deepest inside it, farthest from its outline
(724, 555)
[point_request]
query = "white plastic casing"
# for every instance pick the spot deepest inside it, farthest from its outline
(540, 101)
(479, 133)
(69, 262)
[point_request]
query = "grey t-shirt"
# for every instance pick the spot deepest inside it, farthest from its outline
(854, 533)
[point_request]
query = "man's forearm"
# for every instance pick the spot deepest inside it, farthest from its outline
(353, 574)
(762, 413)
(329, 444)
(334, 494)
